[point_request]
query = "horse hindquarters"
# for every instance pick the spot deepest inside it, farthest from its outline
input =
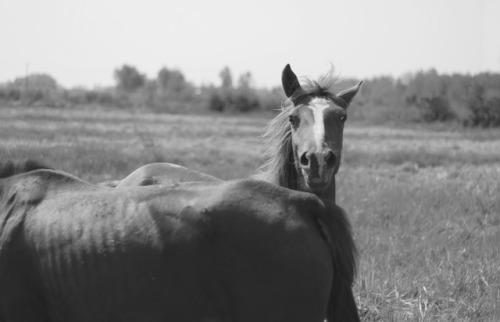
(20, 299)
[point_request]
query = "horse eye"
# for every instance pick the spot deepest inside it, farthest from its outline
(294, 120)
(343, 118)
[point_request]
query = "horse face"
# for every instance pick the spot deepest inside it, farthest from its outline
(317, 125)
(317, 132)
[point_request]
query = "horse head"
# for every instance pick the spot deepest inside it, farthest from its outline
(316, 117)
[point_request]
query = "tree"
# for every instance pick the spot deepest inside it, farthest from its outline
(215, 101)
(171, 80)
(128, 78)
(226, 78)
(40, 82)
(245, 80)
(428, 92)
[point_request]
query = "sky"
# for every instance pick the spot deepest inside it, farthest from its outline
(80, 43)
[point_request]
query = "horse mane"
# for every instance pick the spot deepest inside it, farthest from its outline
(279, 168)
(11, 168)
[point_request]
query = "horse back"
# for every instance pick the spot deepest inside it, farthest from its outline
(239, 250)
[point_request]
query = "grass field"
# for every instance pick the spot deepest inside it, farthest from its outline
(424, 203)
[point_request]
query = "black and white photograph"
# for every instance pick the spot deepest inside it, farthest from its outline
(249, 161)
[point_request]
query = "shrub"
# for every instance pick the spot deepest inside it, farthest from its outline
(484, 109)
(434, 108)
(215, 101)
(492, 106)
(244, 100)
(128, 78)
(13, 94)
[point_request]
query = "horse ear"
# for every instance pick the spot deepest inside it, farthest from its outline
(289, 81)
(348, 94)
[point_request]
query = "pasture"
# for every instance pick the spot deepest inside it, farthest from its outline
(424, 202)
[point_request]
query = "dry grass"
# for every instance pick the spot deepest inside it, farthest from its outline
(428, 240)
(425, 205)
(99, 145)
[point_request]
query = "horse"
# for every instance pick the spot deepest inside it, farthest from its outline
(304, 148)
(238, 250)
(304, 141)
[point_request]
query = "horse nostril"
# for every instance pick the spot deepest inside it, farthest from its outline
(304, 160)
(330, 159)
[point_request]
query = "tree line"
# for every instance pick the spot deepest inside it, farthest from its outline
(168, 92)
(427, 96)
(424, 96)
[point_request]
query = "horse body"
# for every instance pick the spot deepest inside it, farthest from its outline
(215, 251)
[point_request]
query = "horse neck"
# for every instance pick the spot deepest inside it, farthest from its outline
(329, 193)
(290, 179)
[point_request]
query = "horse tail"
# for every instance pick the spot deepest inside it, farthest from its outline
(342, 306)
(336, 229)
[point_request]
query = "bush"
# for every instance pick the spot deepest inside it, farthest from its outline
(434, 108)
(215, 101)
(492, 106)
(11, 94)
(232, 100)
(244, 100)
(484, 109)
(270, 100)
(81, 96)
(128, 78)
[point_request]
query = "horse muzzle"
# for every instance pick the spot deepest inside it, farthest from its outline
(318, 168)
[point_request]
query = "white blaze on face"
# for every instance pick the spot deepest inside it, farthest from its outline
(318, 106)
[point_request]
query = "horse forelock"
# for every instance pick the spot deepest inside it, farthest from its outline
(11, 168)
(324, 87)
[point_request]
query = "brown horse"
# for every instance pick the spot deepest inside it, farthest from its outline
(242, 250)
(305, 139)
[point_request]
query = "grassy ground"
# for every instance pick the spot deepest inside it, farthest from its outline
(425, 205)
